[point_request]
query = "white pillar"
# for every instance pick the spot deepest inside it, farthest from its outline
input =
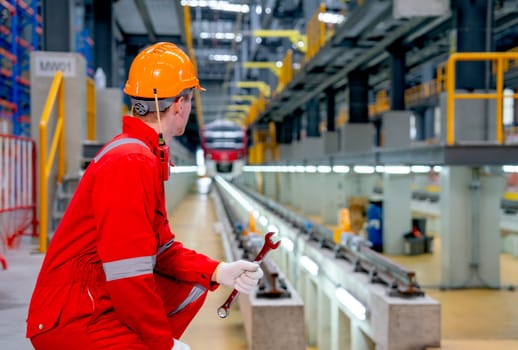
(397, 216)
(470, 227)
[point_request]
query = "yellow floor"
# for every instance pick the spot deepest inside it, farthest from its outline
(471, 319)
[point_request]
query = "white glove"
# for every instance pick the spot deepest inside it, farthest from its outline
(241, 275)
(178, 345)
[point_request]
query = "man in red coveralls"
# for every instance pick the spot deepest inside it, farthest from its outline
(114, 276)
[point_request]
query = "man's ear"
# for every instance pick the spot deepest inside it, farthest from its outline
(178, 105)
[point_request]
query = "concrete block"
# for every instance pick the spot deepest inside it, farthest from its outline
(285, 151)
(357, 137)
(475, 119)
(274, 324)
(312, 147)
(396, 129)
(331, 142)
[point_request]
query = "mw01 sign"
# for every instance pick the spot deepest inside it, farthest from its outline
(47, 66)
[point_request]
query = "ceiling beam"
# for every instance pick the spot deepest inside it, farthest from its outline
(146, 19)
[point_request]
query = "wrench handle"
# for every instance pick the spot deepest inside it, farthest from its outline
(224, 309)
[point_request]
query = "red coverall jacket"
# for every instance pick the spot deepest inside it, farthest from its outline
(113, 277)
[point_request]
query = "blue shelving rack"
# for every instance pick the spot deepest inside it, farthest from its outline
(21, 29)
(84, 46)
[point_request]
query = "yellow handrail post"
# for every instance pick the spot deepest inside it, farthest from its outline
(450, 88)
(499, 99)
(61, 121)
(44, 214)
(90, 110)
(58, 144)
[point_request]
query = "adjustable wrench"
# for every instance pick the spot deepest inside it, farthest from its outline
(267, 246)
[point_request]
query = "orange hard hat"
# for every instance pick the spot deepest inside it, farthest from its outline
(164, 67)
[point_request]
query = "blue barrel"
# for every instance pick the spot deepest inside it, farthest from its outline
(375, 225)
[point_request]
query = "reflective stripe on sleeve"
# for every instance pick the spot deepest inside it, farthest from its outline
(196, 292)
(127, 268)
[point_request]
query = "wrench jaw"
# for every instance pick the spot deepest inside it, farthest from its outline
(271, 243)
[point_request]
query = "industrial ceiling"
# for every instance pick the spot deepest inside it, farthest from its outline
(223, 40)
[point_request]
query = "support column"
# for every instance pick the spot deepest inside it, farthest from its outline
(429, 123)
(285, 188)
(358, 97)
(57, 25)
(270, 186)
(285, 130)
(474, 28)
(470, 227)
(331, 188)
(397, 77)
(313, 118)
(397, 216)
(331, 109)
(131, 53)
(312, 199)
(297, 123)
(104, 46)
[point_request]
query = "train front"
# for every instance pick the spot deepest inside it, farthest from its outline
(224, 144)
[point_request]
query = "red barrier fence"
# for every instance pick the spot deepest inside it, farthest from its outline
(17, 191)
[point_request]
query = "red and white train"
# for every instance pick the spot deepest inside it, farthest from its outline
(224, 144)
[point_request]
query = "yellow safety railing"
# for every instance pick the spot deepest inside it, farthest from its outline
(381, 104)
(192, 55)
(46, 159)
(315, 33)
(90, 110)
(286, 72)
(501, 59)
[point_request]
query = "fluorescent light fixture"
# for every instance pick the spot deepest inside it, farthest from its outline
(217, 35)
(331, 18)
(397, 169)
(255, 213)
(258, 9)
(310, 169)
(510, 168)
(437, 168)
(287, 244)
(223, 58)
(299, 169)
(263, 220)
(351, 303)
(420, 169)
(340, 169)
(380, 169)
(309, 265)
(217, 5)
(363, 169)
(324, 169)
